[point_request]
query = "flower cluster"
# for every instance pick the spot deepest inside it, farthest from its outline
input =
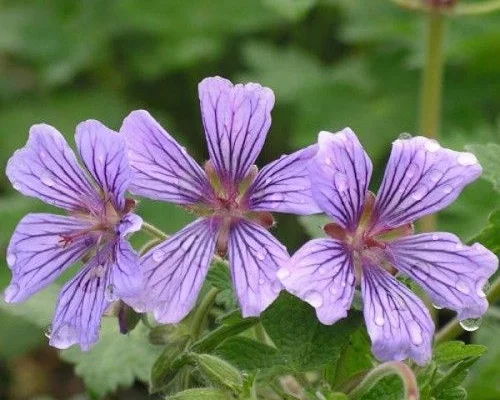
(370, 239)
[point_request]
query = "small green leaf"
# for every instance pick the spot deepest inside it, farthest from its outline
(291, 9)
(248, 354)
(218, 371)
(200, 394)
(488, 155)
(451, 352)
(490, 236)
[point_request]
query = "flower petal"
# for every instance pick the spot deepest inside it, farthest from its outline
(103, 152)
(47, 168)
(254, 258)
(236, 120)
(161, 168)
(80, 306)
(126, 277)
(284, 185)
(175, 270)
(322, 273)
(340, 174)
(421, 178)
(37, 256)
(398, 323)
(451, 273)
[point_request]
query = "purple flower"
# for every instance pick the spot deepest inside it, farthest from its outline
(230, 196)
(44, 245)
(372, 239)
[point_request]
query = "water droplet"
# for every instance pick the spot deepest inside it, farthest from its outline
(322, 270)
(415, 333)
(412, 170)
(435, 237)
(11, 292)
(100, 157)
(437, 307)
(343, 284)
(379, 320)
(459, 246)
(482, 286)
(276, 287)
(435, 175)
(462, 286)
(333, 289)
(405, 136)
(447, 189)
(183, 150)
(48, 331)
(283, 273)
(466, 159)
(275, 199)
(16, 186)
(158, 255)
(314, 298)
(261, 281)
(99, 270)
(419, 193)
(110, 293)
(43, 155)
(261, 253)
(46, 178)
(340, 181)
(432, 146)
(471, 324)
(328, 161)
(11, 259)
(64, 337)
(267, 181)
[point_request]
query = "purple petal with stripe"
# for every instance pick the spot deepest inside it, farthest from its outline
(103, 152)
(452, 273)
(126, 277)
(162, 169)
(254, 258)
(80, 306)
(322, 273)
(129, 223)
(236, 120)
(47, 168)
(37, 256)
(284, 185)
(175, 270)
(398, 322)
(340, 174)
(421, 178)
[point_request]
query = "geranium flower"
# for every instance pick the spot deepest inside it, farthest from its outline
(372, 238)
(231, 198)
(99, 218)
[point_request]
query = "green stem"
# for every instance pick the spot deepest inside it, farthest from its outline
(202, 311)
(149, 245)
(386, 369)
(153, 231)
(452, 329)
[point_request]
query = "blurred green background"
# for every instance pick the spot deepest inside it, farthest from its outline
(331, 63)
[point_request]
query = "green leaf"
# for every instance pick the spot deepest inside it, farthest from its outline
(451, 352)
(291, 9)
(302, 341)
(168, 364)
(200, 394)
(490, 236)
(313, 224)
(115, 360)
(218, 371)
(248, 354)
(488, 155)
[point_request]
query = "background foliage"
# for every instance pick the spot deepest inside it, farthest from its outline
(331, 63)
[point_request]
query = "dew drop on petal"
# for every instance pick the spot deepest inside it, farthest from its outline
(267, 181)
(328, 161)
(48, 331)
(462, 286)
(459, 246)
(314, 298)
(435, 175)
(447, 189)
(432, 146)
(283, 273)
(158, 255)
(11, 259)
(333, 289)
(419, 193)
(340, 181)
(110, 293)
(379, 320)
(275, 199)
(435, 237)
(411, 171)
(322, 270)
(482, 286)
(405, 136)
(415, 333)
(471, 324)
(46, 178)
(16, 186)
(99, 270)
(11, 292)
(261, 254)
(466, 159)
(437, 307)
(261, 281)
(276, 287)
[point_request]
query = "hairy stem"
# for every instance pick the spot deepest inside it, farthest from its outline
(452, 329)
(153, 231)
(389, 368)
(202, 312)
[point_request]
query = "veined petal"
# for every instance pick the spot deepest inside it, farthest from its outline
(126, 278)
(284, 185)
(452, 273)
(236, 120)
(340, 174)
(47, 168)
(161, 168)
(37, 253)
(398, 322)
(322, 273)
(103, 152)
(421, 178)
(254, 258)
(80, 306)
(175, 270)
(129, 223)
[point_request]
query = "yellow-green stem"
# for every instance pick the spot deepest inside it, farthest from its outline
(153, 231)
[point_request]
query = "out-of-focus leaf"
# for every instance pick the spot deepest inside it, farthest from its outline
(17, 336)
(489, 157)
(291, 9)
(313, 224)
(201, 394)
(116, 360)
(490, 236)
